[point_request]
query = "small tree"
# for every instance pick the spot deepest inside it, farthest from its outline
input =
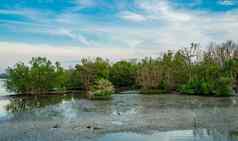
(18, 78)
(40, 76)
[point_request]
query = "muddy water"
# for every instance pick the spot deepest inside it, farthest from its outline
(125, 117)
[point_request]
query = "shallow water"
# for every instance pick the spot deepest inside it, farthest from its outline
(179, 135)
(3, 91)
(125, 117)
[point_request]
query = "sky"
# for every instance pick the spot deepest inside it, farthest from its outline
(67, 30)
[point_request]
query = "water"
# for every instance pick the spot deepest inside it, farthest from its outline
(180, 135)
(3, 91)
(124, 118)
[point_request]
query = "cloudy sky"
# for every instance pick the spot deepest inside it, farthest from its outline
(67, 30)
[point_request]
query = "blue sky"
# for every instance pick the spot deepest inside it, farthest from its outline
(67, 30)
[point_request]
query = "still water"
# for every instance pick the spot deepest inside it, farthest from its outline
(3, 91)
(180, 135)
(124, 118)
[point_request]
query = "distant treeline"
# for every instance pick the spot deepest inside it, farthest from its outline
(193, 70)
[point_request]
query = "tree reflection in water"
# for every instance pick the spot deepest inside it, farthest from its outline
(24, 104)
(234, 135)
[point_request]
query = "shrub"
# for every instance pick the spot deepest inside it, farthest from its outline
(223, 87)
(186, 89)
(197, 87)
(219, 87)
(102, 88)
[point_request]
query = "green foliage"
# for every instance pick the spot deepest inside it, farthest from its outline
(123, 73)
(192, 71)
(102, 68)
(223, 87)
(179, 69)
(213, 71)
(149, 74)
(85, 74)
(18, 78)
(197, 88)
(164, 73)
(102, 88)
(187, 89)
(74, 82)
(219, 87)
(40, 76)
(205, 88)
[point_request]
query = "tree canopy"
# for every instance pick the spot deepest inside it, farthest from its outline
(123, 73)
(192, 70)
(39, 76)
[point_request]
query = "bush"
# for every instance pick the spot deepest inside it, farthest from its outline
(186, 89)
(102, 89)
(197, 87)
(223, 87)
(219, 87)
(205, 88)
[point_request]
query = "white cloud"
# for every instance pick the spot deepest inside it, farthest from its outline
(68, 55)
(179, 27)
(161, 10)
(130, 16)
(76, 36)
(34, 16)
(85, 3)
(20, 12)
(226, 2)
(164, 27)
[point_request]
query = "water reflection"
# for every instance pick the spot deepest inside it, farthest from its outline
(177, 135)
(3, 105)
(24, 104)
(29, 108)
(58, 107)
(234, 135)
(3, 91)
(211, 119)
